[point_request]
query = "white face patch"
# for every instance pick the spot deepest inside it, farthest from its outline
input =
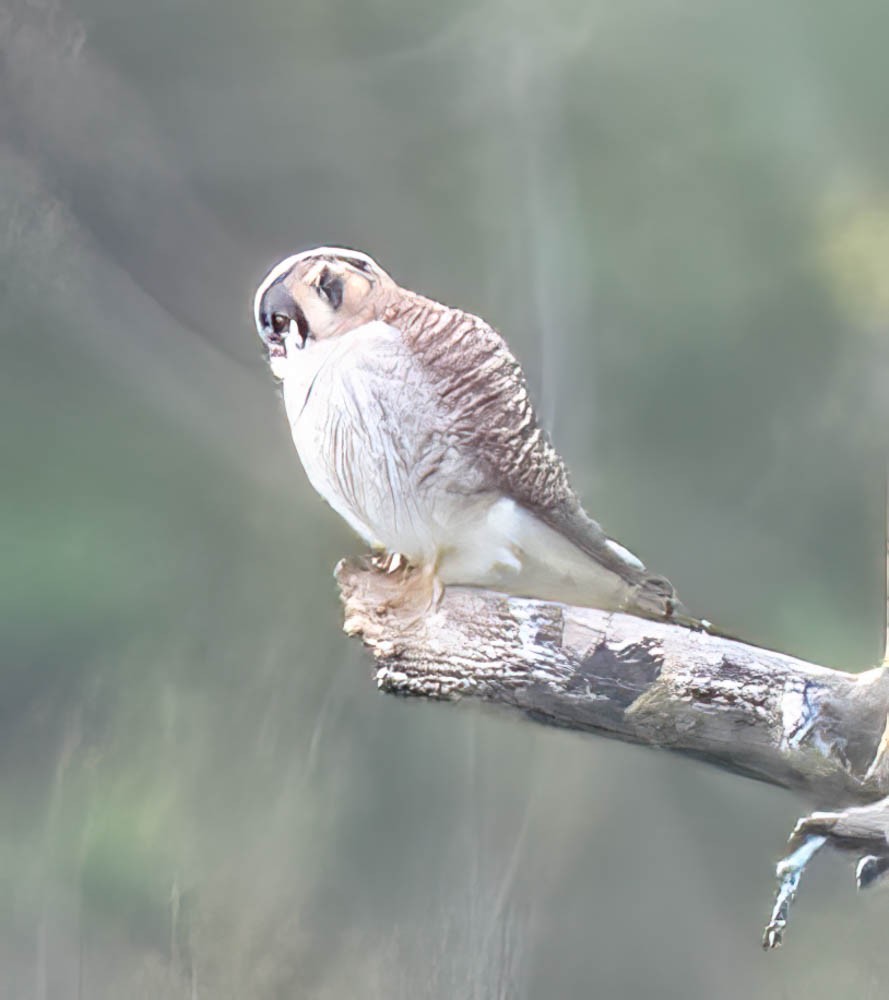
(279, 365)
(283, 362)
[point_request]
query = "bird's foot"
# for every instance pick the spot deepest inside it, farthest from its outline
(411, 589)
(388, 562)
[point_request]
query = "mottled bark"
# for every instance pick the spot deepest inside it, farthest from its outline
(751, 710)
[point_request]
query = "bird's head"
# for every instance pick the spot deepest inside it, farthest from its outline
(315, 296)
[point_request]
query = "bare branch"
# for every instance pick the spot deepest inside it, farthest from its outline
(750, 710)
(789, 872)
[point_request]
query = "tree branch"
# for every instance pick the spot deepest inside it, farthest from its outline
(750, 710)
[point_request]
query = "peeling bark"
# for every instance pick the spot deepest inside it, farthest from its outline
(753, 711)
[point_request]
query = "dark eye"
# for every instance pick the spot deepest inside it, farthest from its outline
(330, 287)
(280, 322)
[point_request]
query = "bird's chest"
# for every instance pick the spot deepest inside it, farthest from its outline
(374, 443)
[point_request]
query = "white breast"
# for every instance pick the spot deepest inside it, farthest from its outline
(374, 442)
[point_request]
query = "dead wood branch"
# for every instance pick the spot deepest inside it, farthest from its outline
(751, 710)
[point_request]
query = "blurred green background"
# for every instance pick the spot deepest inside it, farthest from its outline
(678, 213)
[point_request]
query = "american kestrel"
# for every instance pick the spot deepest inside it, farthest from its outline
(413, 421)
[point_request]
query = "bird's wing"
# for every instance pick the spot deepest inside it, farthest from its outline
(484, 391)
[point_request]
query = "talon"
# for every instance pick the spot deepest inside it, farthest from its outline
(388, 562)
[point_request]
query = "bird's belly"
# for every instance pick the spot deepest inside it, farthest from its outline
(348, 479)
(382, 493)
(373, 444)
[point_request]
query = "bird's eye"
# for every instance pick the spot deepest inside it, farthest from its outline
(330, 288)
(280, 322)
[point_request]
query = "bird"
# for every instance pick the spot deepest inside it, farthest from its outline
(413, 420)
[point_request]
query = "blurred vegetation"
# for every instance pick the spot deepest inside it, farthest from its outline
(677, 213)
